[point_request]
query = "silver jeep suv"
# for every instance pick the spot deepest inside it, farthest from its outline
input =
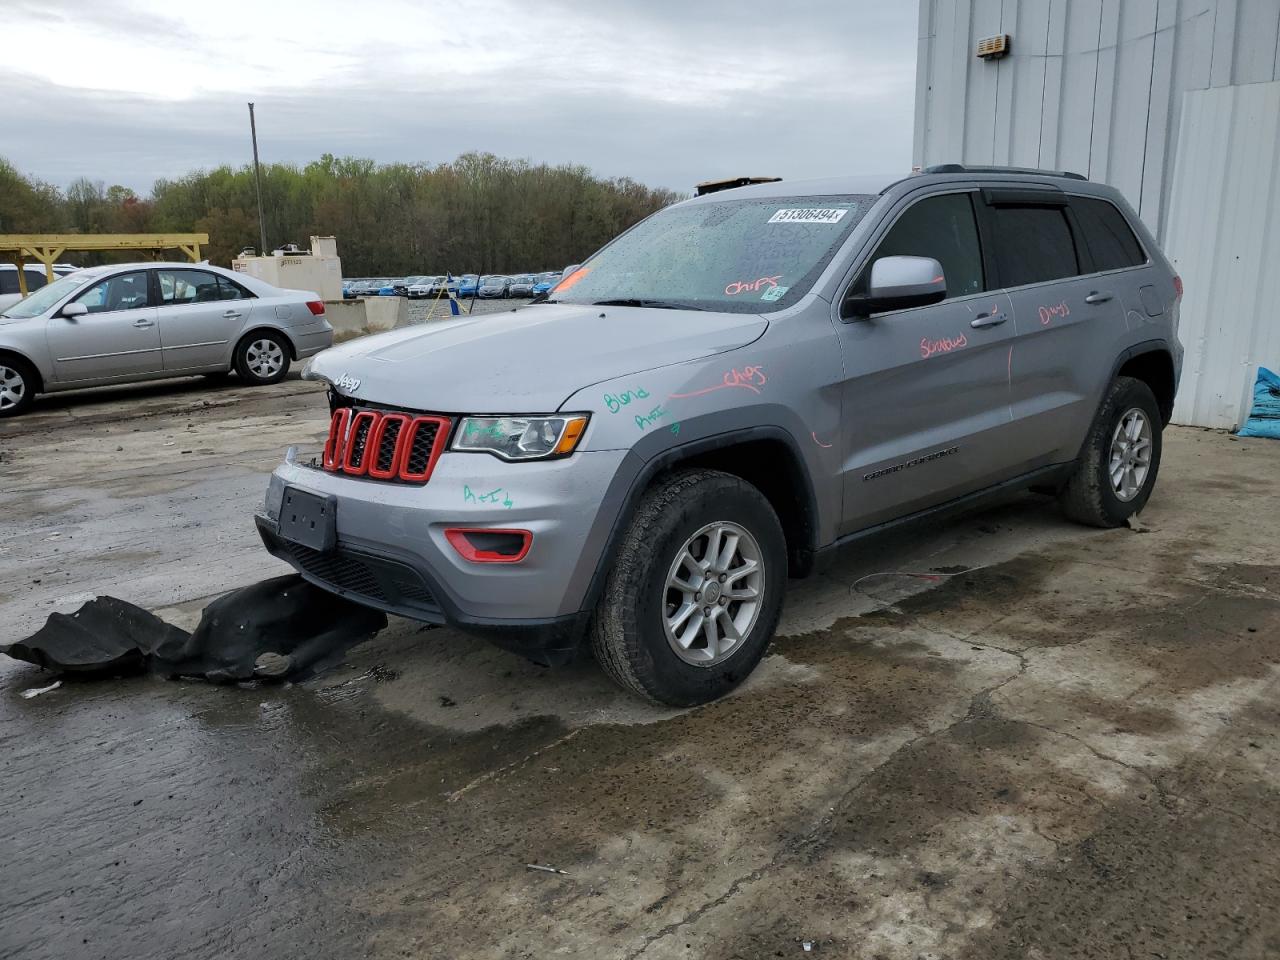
(726, 393)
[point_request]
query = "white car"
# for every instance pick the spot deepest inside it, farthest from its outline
(9, 291)
(425, 287)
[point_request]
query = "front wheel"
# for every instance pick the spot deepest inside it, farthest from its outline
(1117, 469)
(262, 358)
(17, 386)
(695, 594)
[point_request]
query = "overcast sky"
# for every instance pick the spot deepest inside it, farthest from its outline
(667, 92)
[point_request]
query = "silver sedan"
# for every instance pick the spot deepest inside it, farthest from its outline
(147, 321)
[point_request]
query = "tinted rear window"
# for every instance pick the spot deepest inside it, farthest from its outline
(1033, 245)
(1107, 233)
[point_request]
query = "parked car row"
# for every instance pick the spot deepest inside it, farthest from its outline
(487, 287)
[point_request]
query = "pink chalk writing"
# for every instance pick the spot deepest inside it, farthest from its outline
(749, 378)
(1047, 313)
(750, 286)
(826, 446)
(929, 348)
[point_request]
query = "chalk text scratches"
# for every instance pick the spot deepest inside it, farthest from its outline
(929, 348)
(1048, 312)
(749, 378)
(750, 286)
(498, 496)
(616, 401)
(644, 420)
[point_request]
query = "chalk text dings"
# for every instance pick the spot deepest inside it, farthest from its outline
(1050, 311)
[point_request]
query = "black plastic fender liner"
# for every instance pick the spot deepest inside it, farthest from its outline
(303, 627)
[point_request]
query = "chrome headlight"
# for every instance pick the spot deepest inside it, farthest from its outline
(522, 437)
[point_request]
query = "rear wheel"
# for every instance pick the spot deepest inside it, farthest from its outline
(1117, 469)
(262, 358)
(696, 592)
(17, 386)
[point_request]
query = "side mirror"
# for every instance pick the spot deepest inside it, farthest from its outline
(898, 283)
(73, 311)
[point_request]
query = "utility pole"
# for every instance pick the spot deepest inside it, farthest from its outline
(257, 179)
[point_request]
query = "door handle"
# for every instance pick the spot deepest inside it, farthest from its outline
(231, 314)
(987, 320)
(1097, 297)
(143, 324)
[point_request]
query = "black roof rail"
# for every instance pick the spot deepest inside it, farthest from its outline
(968, 168)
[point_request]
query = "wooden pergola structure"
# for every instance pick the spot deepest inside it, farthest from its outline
(47, 247)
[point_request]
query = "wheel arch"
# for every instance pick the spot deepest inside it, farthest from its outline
(10, 353)
(1152, 363)
(265, 328)
(767, 457)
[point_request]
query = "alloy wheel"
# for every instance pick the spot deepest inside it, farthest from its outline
(713, 592)
(1130, 459)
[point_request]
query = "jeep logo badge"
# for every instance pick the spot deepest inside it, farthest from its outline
(347, 383)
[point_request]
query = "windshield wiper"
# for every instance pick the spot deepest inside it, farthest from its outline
(637, 302)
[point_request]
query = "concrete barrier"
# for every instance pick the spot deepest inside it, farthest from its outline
(359, 318)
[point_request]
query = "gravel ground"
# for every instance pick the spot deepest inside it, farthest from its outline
(1069, 751)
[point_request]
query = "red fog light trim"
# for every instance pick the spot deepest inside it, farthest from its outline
(365, 420)
(336, 442)
(458, 539)
(373, 448)
(316, 307)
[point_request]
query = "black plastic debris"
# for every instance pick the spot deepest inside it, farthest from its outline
(279, 628)
(105, 635)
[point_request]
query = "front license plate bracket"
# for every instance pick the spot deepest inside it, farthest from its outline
(309, 519)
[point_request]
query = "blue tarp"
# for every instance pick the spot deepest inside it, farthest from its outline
(1264, 418)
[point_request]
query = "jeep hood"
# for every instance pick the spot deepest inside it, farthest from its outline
(525, 361)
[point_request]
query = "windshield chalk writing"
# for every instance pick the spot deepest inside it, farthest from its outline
(750, 286)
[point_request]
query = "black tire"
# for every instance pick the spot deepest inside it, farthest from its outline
(1089, 496)
(250, 351)
(18, 382)
(628, 633)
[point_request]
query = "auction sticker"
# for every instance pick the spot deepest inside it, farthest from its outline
(809, 215)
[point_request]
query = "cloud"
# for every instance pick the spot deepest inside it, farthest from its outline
(664, 92)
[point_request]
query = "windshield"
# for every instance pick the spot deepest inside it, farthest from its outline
(742, 256)
(46, 297)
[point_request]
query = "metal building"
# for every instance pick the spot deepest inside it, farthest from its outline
(1176, 103)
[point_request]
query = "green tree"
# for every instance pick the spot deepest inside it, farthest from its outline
(478, 213)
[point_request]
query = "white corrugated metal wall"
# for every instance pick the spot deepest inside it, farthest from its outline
(1094, 86)
(1223, 236)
